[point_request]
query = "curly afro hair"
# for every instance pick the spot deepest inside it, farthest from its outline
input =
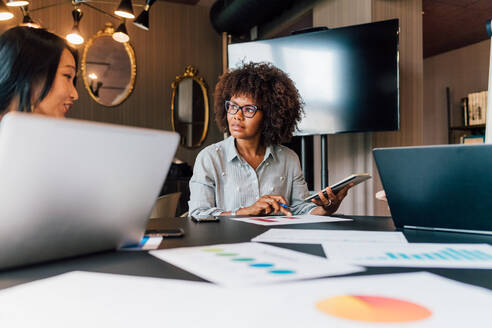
(272, 91)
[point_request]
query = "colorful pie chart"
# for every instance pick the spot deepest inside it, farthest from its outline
(373, 309)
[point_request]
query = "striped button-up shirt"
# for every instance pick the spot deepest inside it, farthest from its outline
(223, 181)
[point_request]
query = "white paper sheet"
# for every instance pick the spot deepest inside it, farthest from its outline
(315, 236)
(296, 219)
(82, 299)
(251, 263)
(423, 255)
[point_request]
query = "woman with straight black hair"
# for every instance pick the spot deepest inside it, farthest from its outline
(37, 72)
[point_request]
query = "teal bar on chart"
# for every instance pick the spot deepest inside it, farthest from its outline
(447, 254)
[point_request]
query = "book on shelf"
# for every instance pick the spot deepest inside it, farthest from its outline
(464, 108)
(473, 139)
(476, 111)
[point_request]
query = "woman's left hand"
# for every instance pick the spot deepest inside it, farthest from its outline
(329, 205)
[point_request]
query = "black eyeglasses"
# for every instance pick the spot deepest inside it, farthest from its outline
(248, 110)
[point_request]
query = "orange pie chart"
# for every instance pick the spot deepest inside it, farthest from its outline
(373, 308)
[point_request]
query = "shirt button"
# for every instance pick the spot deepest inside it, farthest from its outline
(217, 148)
(281, 178)
(267, 164)
(223, 173)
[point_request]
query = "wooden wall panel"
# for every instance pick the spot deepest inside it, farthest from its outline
(411, 80)
(336, 13)
(463, 70)
(179, 35)
(411, 71)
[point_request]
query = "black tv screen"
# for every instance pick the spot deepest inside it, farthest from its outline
(347, 77)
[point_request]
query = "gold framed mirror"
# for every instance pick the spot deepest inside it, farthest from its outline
(108, 68)
(189, 108)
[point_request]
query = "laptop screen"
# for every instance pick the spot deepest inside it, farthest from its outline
(446, 186)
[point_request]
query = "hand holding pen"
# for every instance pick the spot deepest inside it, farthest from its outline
(267, 205)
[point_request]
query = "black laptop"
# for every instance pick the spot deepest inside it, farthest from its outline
(446, 187)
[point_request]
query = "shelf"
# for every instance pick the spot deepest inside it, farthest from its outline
(456, 131)
(471, 127)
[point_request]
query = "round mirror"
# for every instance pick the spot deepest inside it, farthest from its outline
(189, 108)
(108, 68)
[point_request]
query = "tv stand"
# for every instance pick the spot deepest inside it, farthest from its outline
(324, 159)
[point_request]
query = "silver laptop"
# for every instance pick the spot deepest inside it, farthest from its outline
(69, 187)
(447, 187)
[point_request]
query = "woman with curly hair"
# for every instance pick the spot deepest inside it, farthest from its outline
(251, 173)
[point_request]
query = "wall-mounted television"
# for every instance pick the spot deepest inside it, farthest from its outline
(347, 77)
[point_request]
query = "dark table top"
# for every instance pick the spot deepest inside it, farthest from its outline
(141, 263)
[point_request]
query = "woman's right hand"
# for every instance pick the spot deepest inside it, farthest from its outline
(267, 204)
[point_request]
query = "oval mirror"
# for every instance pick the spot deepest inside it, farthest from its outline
(108, 68)
(189, 108)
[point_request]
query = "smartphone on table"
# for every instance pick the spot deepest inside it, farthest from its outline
(165, 233)
(355, 178)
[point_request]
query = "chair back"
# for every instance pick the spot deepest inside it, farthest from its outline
(165, 206)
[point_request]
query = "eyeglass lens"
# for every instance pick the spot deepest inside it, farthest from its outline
(248, 110)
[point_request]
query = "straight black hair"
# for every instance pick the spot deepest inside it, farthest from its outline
(29, 58)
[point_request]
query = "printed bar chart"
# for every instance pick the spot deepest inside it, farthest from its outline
(412, 255)
(447, 254)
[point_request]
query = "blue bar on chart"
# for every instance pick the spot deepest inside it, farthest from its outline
(446, 254)
(483, 255)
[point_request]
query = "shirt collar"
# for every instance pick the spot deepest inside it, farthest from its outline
(231, 151)
(270, 151)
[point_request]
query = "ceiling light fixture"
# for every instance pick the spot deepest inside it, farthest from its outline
(5, 13)
(75, 37)
(125, 9)
(142, 20)
(27, 20)
(121, 34)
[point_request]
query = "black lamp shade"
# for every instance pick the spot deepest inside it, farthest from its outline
(122, 29)
(142, 20)
(121, 35)
(27, 21)
(77, 16)
(125, 9)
